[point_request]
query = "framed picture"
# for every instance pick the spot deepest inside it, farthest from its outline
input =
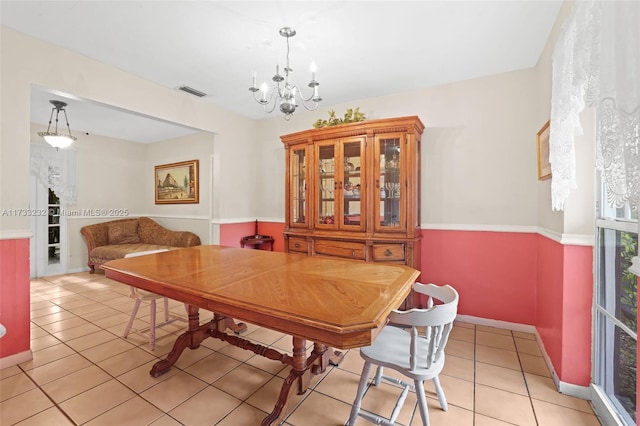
(544, 167)
(177, 183)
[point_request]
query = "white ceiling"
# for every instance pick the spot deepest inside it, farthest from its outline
(362, 49)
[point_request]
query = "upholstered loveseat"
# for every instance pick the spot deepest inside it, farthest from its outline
(115, 239)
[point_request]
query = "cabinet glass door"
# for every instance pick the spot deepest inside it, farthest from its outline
(298, 189)
(351, 184)
(390, 188)
(327, 185)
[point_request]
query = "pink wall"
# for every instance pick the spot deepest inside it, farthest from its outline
(550, 298)
(523, 278)
(577, 315)
(14, 296)
(494, 272)
(565, 293)
(230, 234)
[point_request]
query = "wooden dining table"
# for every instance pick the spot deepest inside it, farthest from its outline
(336, 304)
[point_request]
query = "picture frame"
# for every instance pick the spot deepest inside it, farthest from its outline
(542, 141)
(177, 183)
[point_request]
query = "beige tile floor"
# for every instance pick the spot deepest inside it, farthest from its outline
(84, 373)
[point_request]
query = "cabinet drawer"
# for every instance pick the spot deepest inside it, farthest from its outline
(388, 252)
(298, 245)
(347, 249)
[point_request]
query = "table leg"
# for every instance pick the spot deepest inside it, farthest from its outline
(191, 339)
(302, 371)
(226, 322)
(294, 382)
(329, 357)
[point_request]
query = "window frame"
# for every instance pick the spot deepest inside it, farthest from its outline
(604, 322)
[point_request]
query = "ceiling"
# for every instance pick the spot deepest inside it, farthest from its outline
(362, 49)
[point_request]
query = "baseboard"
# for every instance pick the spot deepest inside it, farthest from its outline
(15, 359)
(582, 392)
(78, 270)
(524, 328)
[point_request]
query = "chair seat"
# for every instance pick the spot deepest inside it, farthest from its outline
(391, 349)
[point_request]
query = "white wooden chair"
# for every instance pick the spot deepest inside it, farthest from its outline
(146, 296)
(412, 344)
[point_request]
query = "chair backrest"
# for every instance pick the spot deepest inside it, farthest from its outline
(433, 324)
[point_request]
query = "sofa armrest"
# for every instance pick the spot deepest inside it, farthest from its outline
(96, 235)
(151, 232)
(187, 239)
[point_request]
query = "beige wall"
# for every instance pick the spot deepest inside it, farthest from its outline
(479, 151)
(27, 61)
(199, 146)
(547, 218)
(479, 154)
(479, 158)
(577, 218)
(188, 217)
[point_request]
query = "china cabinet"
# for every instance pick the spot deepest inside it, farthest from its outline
(353, 191)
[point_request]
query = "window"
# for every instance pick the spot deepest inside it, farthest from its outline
(615, 313)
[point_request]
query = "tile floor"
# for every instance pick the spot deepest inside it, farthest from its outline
(84, 373)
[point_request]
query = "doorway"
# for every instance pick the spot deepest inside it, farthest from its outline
(48, 244)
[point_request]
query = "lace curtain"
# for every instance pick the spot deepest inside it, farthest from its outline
(596, 62)
(57, 170)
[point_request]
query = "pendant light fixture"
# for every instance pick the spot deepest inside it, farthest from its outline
(55, 139)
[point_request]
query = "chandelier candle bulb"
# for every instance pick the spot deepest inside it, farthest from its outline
(263, 90)
(313, 71)
(254, 79)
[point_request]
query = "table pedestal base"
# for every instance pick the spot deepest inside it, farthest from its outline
(303, 368)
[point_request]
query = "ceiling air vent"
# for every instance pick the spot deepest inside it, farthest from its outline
(192, 91)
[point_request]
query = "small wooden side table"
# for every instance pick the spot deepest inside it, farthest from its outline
(256, 239)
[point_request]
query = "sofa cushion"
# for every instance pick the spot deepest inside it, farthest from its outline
(118, 251)
(123, 232)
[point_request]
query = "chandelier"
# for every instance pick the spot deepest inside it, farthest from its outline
(284, 93)
(55, 139)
